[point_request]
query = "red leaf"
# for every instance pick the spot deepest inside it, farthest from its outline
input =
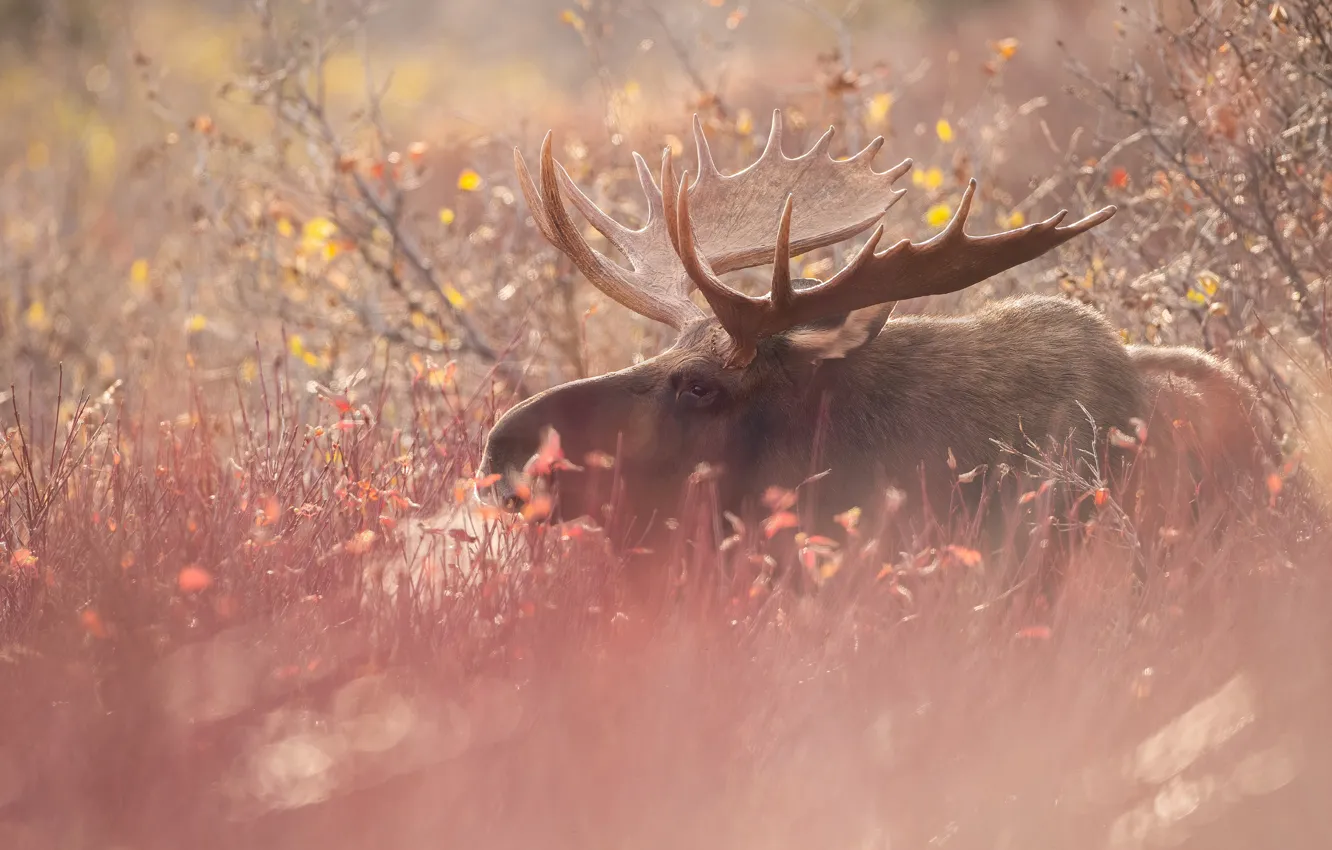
(779, 521)
(193, 579)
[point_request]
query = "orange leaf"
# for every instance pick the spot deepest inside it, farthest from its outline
(1119, 178)
(194, 579)
(968, 557)
(1274, 484)
(779, 521)
(92, 623)
(269, 512)
(538, 508)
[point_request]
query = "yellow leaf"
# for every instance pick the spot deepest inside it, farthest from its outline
(195, 323)
(944, 129)
(930, 178)
(139, 276)
(446, 216)
(469, 180)
(570, 17)
(829, 568)
(744, 122)
(284, 227)
(455, 297)
(331, 250)
(35, 317)
(938, 215)
(319, 229)
(1196, 297)
(1006, 48)
(1208, 282)
(879, 107)
(632, 91)
(1014, 219)
(310, 358)
(249, 370)
(296, 344)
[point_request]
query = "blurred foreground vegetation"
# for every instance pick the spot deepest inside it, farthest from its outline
(266, 277)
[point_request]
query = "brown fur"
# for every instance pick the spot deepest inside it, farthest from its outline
(1030, 371)
(1209, 446)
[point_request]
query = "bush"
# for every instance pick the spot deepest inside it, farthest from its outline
(255, 340)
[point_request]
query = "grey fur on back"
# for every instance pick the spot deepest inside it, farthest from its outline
(1018, 371)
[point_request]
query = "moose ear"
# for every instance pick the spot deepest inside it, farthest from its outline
(840, 338)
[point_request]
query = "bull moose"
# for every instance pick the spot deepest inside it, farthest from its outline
(818, 375)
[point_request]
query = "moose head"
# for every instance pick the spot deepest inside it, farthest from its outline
(771, 388)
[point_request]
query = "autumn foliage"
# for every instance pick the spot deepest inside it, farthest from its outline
(257, 315)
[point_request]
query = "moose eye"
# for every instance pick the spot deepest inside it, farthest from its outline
(696, 393)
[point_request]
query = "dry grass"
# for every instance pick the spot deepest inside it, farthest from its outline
(252, 343)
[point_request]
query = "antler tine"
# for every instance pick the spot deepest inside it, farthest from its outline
(636, 291)
(669, 188)
(821, 146)
(707, 167)
(655, 197)
(774, 145)
(734, 310)
(782, 292)
(615, 232)
(532, 194)
(949, 262)
(867, 154)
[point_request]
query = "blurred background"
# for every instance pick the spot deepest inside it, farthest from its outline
(267, 277)
(151, 148)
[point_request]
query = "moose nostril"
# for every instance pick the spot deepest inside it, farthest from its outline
(513, 503)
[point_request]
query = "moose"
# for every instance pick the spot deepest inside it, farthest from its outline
(819, 376)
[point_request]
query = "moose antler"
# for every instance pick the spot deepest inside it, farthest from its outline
(948, 262)
(731, 217)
